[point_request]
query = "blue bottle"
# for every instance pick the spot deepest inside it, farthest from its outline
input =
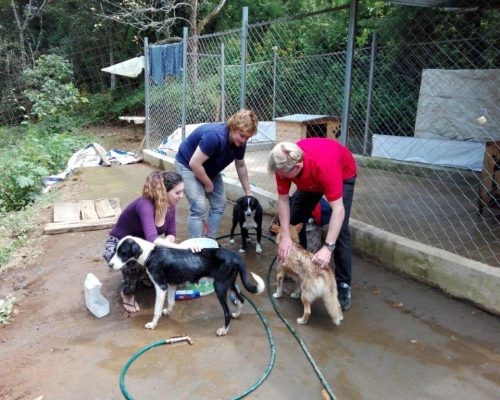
(186, 294)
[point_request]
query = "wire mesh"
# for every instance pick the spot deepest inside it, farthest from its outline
(434, 83)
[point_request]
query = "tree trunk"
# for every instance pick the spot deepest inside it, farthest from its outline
(20, 32)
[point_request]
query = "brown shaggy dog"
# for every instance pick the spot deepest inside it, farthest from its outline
(311, 281)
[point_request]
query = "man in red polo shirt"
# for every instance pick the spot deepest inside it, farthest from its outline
(317, 167)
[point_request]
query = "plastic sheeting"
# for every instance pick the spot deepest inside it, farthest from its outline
(266, 132)
(446, 153)
(131, 68)
(89, 157)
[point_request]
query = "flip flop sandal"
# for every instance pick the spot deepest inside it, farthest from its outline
(135, 305)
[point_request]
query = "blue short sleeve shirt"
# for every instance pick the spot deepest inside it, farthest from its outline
(213, 140)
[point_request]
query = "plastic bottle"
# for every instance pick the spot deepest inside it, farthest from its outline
(94, 300)
(186, 294)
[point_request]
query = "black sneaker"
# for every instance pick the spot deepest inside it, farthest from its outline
(344, 296)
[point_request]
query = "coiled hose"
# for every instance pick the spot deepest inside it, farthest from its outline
(272, 345)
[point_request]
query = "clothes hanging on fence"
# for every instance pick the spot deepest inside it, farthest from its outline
(165, 60)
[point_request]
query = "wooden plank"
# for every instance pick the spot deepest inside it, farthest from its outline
(135, 120)
(115, 203)
(66, 212)
(104, 208)
(79, 226)
(102, 154)
(87, 209)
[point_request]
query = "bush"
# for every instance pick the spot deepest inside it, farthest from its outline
(106, 107)
(24, 165)
(51, 94)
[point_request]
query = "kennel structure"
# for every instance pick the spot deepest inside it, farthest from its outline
(300, 126)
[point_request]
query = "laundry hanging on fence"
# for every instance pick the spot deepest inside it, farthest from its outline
(165, 60)
(131, 68)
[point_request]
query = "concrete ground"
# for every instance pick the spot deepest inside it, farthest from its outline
(400, 340)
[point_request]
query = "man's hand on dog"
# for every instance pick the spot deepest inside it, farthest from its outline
(322, 257)
(284, 248)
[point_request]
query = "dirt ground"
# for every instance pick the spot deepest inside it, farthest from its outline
(401, 340)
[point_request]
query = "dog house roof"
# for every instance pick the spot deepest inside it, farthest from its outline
(303, 118)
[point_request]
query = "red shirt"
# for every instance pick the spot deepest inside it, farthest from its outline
(327, 164)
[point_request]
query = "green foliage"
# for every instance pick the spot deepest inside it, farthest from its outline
(24, 165)
(109, 105)
(16, 226)
(49, 88)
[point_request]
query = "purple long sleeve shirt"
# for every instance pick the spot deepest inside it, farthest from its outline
(138, 219)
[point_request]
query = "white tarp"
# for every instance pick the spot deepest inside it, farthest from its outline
(446, 153)
(266, 132)
(451, 101)
(90, 157)
(131, 68)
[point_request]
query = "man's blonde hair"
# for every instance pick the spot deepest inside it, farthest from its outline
(244, 120)
(285, 155)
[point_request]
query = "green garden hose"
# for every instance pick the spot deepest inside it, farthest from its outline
(174, 339)
(289, 326)
(272, 346)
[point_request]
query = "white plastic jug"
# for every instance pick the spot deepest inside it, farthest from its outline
(94, 300)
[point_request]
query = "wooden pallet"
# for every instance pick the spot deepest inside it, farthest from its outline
(84, 215)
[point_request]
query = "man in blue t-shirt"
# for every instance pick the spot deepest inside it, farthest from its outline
(201, 158)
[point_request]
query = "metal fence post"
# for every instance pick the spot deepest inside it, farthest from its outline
(244, 34)
(275, 59)
(353, 11)
(370, 89)
(146, 93)
(222, 83)
(184, 79)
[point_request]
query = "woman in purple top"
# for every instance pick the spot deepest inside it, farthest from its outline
(148, 217)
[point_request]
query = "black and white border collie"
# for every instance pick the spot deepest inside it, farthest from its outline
(168, 268)
(247, 212)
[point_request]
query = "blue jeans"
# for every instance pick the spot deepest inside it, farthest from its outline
(196, 197)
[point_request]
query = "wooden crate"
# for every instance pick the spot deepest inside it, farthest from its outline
(300, 126)
(489, 189)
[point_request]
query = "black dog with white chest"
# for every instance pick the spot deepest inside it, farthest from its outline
(168, 268)
(247, 212)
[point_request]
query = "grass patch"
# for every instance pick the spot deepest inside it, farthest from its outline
(17, 227)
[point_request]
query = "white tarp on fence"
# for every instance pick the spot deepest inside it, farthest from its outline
(266, 132)
(446, 153)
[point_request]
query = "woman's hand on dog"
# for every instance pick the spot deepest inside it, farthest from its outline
(193, 248)
(322, 257)
(167, 242)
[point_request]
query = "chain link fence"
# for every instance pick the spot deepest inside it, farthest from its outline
(424, 117)
(428, 129)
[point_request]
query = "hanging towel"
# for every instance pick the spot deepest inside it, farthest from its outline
(131, 68)
(165, 60)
